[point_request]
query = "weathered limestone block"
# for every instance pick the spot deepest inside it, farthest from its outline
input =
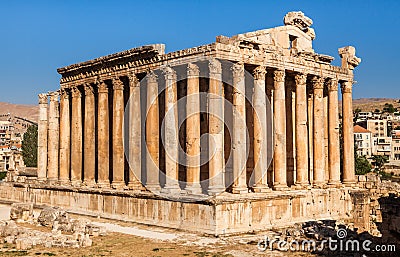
(79, 225)
(49, 214)
(94, 230)
(21, 211)
(24, 243)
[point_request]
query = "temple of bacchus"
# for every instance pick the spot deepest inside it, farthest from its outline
(238, 135)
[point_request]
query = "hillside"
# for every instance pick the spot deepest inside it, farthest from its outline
(30, 112)
(370, 104)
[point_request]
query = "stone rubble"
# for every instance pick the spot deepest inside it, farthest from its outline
(79, 230)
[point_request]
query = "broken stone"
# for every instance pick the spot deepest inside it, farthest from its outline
(49, 214)
(24, 243)
(21, 211)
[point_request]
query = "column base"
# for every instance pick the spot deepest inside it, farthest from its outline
(319, 185)
(301, 186)
(52, 181)
(334, 183)
(215, 190)
(103, 184)
(261, 188)
(280, 187)
(76, 183)
(171, 189)
(153, 187)
(194, 189)
(136, 186)
(89, 183)
(118, 185)
(240, 190)
(64, 182)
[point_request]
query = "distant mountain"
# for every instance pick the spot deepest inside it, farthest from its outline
(370, 104)
(29, 112)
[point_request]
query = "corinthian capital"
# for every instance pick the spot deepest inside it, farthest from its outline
(332, 84)
(259, 72)
(76, 92)
(238, 70)
(279, 75)
(89, 90)
(151, 77)
(215, 66)
(169, 73)
(133, 80)
(102, 87)
(193, 70)
(64, 93)
(317, 82)
(43, 99)
(301, 79)
(117, 84)
(346, 86)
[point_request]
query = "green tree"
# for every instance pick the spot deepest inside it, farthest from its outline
(378, 161)
(361, 163)
(29, 146)
(389, 108)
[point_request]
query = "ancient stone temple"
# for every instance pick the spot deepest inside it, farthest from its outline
(238, 135)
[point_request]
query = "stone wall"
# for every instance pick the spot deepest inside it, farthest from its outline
(224, 214)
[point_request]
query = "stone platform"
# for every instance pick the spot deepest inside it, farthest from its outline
(221, 215)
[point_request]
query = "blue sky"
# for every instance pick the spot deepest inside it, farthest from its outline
(37, 37)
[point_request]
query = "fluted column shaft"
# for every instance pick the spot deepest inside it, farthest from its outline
(301, 131)
(53, 141)
(239, 130)
(103, 150)
(319, 141)
(117, 134)
(42, 137)
(152, 133)
(216, 129)
(280, 181)
(76, 139)
(260, 130)
(89, 164)
(333, 131)
(135, 156)
(171, 141)
(348, 137)
(65, 137)
(193, 130)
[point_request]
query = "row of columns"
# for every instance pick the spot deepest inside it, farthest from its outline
(60, 136)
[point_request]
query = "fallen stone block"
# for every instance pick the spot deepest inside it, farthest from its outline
(23, 243)
(48, 215)
(21, 211)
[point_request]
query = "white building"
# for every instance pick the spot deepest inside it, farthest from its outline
(363, 141)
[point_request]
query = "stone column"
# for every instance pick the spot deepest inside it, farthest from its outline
(103, 138)
(193, 130)
(319, 141)
(239, 130)
(53, 141)
(260, 130)
(280, 181)
(171, 141)
(216, 129)
(135, 133)
(333, 131)
(348, 137)
(152, 134)
(117, 134)
(301, 131)
(89, 152)
(42, 138)
(76, 137)
(65, 137)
